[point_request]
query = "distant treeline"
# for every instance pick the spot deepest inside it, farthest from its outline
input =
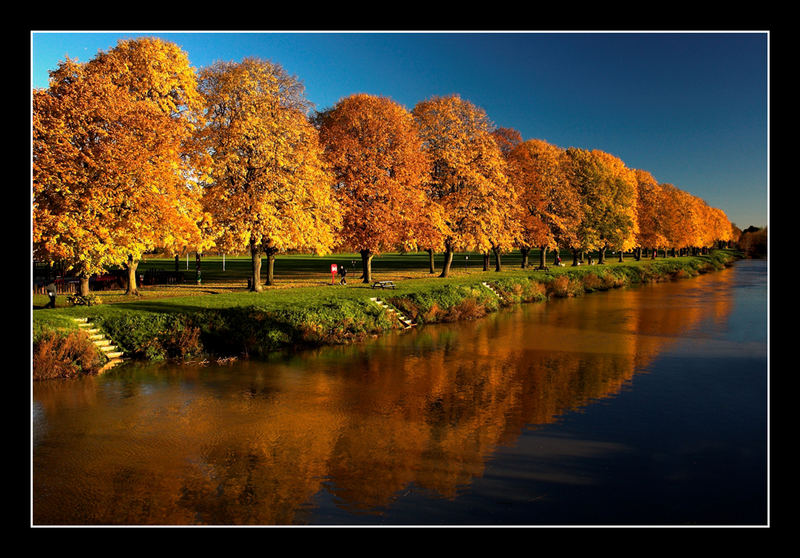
(753, 242)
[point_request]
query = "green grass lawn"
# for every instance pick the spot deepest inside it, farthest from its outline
(304, 267)
(300, 279)
(229, 274)
(309, 309)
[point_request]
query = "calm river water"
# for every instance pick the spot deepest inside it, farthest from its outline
(637, 406)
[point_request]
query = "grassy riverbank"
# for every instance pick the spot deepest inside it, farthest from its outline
(236, 323)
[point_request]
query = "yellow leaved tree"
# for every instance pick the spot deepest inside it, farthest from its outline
(672, 217)
(720, 227)
(115, 161)
(467, 176)
(608, 195)
(269, 190)
(651, 213)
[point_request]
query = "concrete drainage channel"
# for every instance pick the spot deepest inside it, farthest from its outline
(407, 323)
(111, 352)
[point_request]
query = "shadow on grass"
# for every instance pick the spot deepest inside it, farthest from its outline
(155, 306)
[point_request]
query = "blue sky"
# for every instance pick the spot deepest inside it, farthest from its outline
(691, 108)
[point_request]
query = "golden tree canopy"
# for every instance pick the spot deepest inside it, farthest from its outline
(468, 173)
(380, 168)
(650, 211)
(549, 204)
(608, 194)
(269, 188)
(115, 164)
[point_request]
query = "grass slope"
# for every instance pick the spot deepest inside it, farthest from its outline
(220, 317)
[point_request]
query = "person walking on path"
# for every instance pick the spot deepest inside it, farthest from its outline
(51, 292)
(343, 275)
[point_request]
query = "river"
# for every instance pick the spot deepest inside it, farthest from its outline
(637, 406)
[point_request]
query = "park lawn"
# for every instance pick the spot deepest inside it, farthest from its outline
(224, 319)
(305, 269)
(291, 271)
(299, 282)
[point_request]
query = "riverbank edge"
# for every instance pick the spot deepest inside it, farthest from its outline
(249, 331)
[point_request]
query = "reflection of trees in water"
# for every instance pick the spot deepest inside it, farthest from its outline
(364, 422)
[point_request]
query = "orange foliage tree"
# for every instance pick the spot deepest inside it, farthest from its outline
(722, 228)
(269, 189)
(132, 153)
(375, 153)
(713, 226)
(672, 219)
(651, 213)
(115, 161)
(548, 204)
(467, 177)
(507, 139)
(688, 220)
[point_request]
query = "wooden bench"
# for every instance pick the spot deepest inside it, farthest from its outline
(384, 284)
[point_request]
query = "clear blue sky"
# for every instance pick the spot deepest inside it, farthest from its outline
(691, 108)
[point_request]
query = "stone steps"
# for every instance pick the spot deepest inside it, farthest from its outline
(407, 323)
(109, 350)
(488, 286)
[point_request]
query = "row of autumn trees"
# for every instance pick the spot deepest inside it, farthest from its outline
(135, 151)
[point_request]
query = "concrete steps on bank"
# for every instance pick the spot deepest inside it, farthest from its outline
(407, 322)
(488, 286)
(112, 353)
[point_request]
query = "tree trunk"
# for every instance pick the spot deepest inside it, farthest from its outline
(84, 284)
(431, 261)
(270, 266)
(255, 280)
(601, 259)
(498, 266)
(366, 263)
(448, 260)
(176, 263)
(131, 266)
(542, 257)
(621, 254)
(486, 257)
(525, 252)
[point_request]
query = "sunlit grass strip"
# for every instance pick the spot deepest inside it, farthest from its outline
(258, 323)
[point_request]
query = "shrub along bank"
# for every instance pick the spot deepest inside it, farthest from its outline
(255, 324)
